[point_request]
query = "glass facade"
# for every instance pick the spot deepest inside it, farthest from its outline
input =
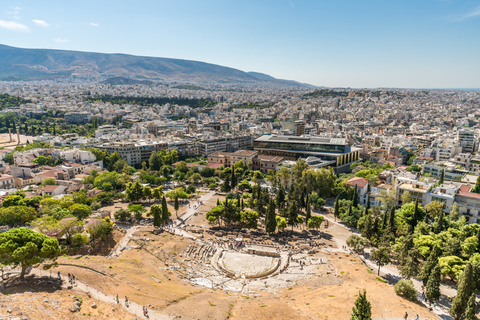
(300, 146)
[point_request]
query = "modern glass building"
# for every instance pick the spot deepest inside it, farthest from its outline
(333, 151)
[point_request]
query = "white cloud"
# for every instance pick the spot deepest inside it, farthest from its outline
(93, 24)
(61, 40)
(41, 23)
(14, 26)
(472, 14)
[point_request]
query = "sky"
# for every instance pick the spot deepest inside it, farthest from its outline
(333, 43)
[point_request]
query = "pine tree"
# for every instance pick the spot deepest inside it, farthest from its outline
(431, 262)
(442, 177)
(362, 309)
(308, 210)
(471, 308)
(464, 291)
(433, 285)
(336, 211)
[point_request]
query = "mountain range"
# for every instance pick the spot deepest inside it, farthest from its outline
(38, 64)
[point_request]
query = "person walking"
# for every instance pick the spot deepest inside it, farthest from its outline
(406, 316)
(118, 301)
(417, 317)
(126, 301)
(59, 276)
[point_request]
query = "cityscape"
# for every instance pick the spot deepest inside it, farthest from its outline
(134, 186)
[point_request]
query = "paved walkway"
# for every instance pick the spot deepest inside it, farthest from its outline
(133, 307)
(123, 243)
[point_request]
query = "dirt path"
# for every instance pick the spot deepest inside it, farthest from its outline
(133, 307)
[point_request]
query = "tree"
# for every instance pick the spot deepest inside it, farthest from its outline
(431, 262)
(249, 218)
(270, 222)
(49, 182)
(25, 247)
(442, 177)
(476, 188)
(308, 210)
(147, 193)
(13, 200)
(406, 289)
(176, 206)
(292, 213)
(122, 214)
(386, 199)
(137, 209)
(381, 257)
(17, 215)
(362, 309)
(195, 178)
(233, 180)
(355, 197)
(69, 227)
(433, 285)
(156, 211)
(134, 192)
(81, 211)
(244, 186)
(165, 212)
(357, 243)
(314, 222)
(336, 211)
(158, 192)
(406, 197)
(101, 229)
(281, 223)
(464, 291)
(470, 312)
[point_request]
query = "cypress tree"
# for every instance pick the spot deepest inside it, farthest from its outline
(270, 221)
(433, 285)
(308, 210)
(471, 309)
(176, 206)
(157, 219)
(218, 201)
(476, 188)
(367, 206)
(165, 215)
(439, 225)
(362, 310)
(241, 204)
(478, 235)
(415, 217)
(355, 197)
(234, 178)
(336, 211)
(431, 262)
(391, 222)
(442, 177)
(464, 291)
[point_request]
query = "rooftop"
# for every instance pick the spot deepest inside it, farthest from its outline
(295, 139)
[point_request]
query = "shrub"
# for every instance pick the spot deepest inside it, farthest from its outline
(95, 205)
(122, 214)
(212, 186)
(404, 288)
(79, 239)
(191, 189)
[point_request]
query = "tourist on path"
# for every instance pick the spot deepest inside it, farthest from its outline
(406, 316)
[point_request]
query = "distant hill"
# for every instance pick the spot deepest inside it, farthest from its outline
(31, 64)
(266, 77)
(123, 80)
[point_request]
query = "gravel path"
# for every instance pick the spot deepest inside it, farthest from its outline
(133, 308)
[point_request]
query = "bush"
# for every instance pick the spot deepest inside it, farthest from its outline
(191, 189)
(79, 239)
(95, 205)
(212, 186)
(230, 196)
(404, 288)
(122, 214)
